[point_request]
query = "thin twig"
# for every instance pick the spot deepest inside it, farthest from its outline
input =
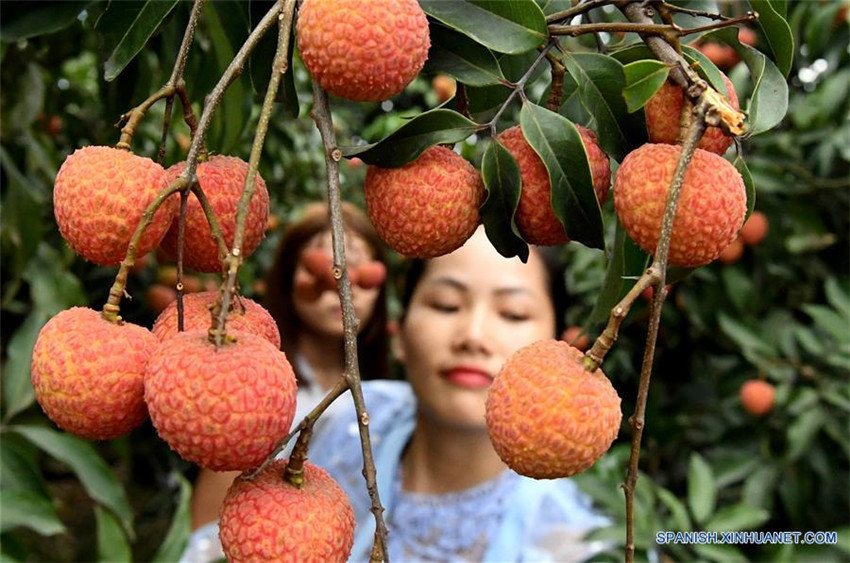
(691, 12)
(519, 88)
(578, 9)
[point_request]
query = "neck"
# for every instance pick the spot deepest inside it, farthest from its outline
(443, 459)
(325, 355)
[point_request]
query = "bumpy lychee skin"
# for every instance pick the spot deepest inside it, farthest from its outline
(88, 373)
(428, 207)
(222, 178)
(246, 315)
(223, 409)
(534, 216)
(757, 397)
(363, 50)
(663, 118)
(267, 519)
(711, 208)
(547, 416)
(99, 196)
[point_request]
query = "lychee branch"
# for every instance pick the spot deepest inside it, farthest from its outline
(578, 9)
(556, 92)
(324, 122)
(645, 28)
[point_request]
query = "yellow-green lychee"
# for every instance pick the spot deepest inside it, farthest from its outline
(268, 519)
(224, 409)
(711, 208)
(88, 373)
(547, 416)
(222, 178)
(363, 50)
(246, 315)
(428, 207)
(99, 196)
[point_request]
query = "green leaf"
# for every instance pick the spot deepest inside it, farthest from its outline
(737, 517)
(261, 61)
(758, 488)
(505, 27)
(703, 65)
(438, 126)
(461, 58)
(558, 144)
(18, 393)
(838, 296)
(30, 510)
(776, 31)
(52, 287)
(501, 176)
(802, 431)
(134, 36)
(181, 526)
(111, 542)
(702, 492)
(643, 79)
(722, 553)
(626, 263)
(830, 321)
(96, 477)
(18, 470)
(22, 20)
(745, 337)
(749, 185)
(678, 513)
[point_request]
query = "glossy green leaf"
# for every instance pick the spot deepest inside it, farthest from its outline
(434, 127)
(262, 58)
(501, 176)
(703, 65)
(111, 542)
(505, 27)
(558, 144)
(737, 517)
(678, 513)
(702, 490)
(96, 477)
(141, 25)
(462, 58)
(802, 431)
(626, 263)
(18, 470)
(776, 31)
(18, 394)
(30, 510)
(24, 19)
(749, 185)
(177, 538)
(643, 79)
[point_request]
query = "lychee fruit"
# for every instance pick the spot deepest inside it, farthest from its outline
(733, 252)
(222, 178)
(547, 416)
(363, 50)
(663, 118)
(711, 207)
(444, 87)
(722, 55)
(371, 275)
(99, 197)
(268, 519)
(88, 373)
(757, 396)
(427, 208)
(576, 337)
(534, 216)
(224, 409)
(246, 315)
(159, 296)
(755, 229)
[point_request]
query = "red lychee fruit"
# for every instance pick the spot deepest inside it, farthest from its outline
(444, 87)
(733, 252)
(663, 118)
(576, 337)
(427, 208)
(755, 229)
(363, 50)
(99, 196)
(757, 396)
(547, 416)
(371, 275)
(224, 409)
(88, 373)
(723, 56)
(158, 297)
(222, 178)
(268, 519)
(245, 315)
(535, 217)
(711, 208)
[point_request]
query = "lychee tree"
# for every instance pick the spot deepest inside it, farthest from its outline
(527, 65)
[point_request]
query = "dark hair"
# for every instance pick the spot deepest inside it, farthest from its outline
(372, 340)
(552, 262)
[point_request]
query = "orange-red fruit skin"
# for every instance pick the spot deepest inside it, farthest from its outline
(755, 229)
(371, 275)
(711, 208)
(733, 252)
(222, 409)
(427, 208)
(88, 373)
(254, 319)
(757, 396)
(663, 118)
(267, 519)
(535, 218)
(99, 196)
(548, 417)
(363, 50)
(222, 178)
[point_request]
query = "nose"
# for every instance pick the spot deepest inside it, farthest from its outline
(472, 333)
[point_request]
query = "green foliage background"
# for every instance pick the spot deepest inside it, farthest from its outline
(781, 313)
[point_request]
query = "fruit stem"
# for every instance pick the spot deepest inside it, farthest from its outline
(324, 122)
(294, 472)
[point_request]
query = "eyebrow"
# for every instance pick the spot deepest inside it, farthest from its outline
(445, 280)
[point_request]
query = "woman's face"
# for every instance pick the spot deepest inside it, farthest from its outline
(324, 315)
(469, 312)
